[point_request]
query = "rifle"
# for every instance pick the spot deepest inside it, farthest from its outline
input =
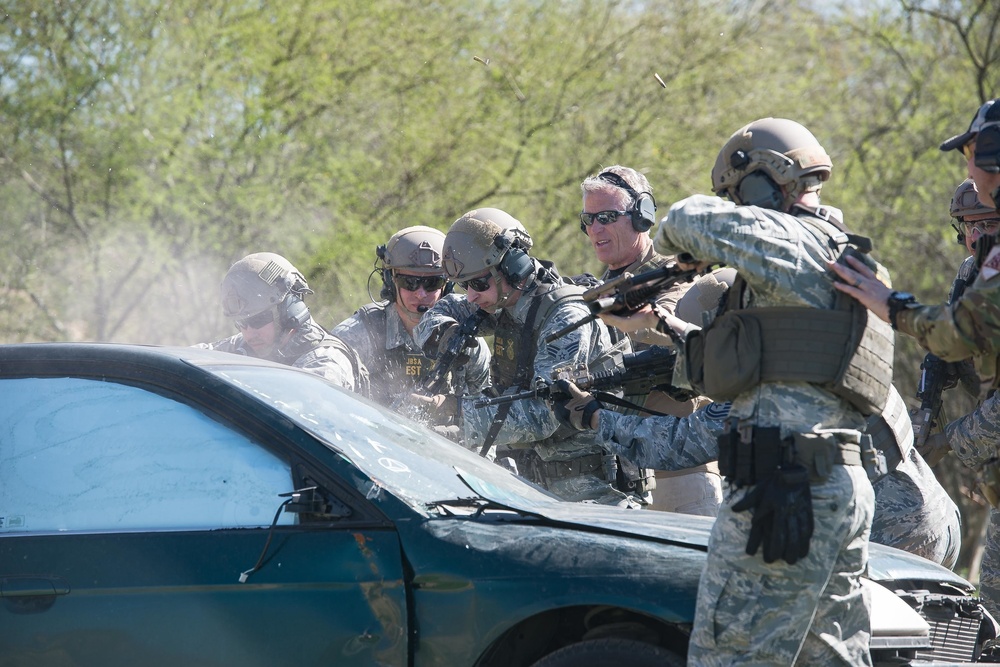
(628, 293)
(640, 373)
(936, 375)
(436, 381)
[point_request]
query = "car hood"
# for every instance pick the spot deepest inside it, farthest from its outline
(886, 564)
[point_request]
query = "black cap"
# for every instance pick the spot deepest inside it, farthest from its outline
(988, 114)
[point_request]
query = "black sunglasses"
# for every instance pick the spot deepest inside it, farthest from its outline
(413, 283)
(257, 321)
(603, 217)
(480, 284)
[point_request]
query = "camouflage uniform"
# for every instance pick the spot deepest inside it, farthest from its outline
(569, 463)
(697, 489)
(913, 512)
(395, 362)
(748, 611)
(310, 348)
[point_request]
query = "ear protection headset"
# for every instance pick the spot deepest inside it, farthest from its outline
(515, 265)
(756, 188)
(643, 208)
(988, 142)
(388, 287)
(292, 312)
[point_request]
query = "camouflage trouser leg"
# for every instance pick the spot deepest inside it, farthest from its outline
(811, 613)
(989, 570)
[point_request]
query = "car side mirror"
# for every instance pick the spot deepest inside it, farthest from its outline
(312, 500)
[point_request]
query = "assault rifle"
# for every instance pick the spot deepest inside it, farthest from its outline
(436, 381)
(640, 373)
(628, 293)
(936, 375)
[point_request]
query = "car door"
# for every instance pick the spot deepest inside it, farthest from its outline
(136, 530)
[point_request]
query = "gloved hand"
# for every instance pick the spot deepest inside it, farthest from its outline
(782, 515)
(935, 448)
(444, 340)
(439, 405)
(576, 411)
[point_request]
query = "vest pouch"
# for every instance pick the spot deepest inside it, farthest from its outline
(818, 453)
(731, 356)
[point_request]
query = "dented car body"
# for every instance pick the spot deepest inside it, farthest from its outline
(177, 506)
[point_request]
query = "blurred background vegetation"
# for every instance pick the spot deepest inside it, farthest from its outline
(146, 145)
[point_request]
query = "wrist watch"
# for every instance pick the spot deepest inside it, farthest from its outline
(900, 301)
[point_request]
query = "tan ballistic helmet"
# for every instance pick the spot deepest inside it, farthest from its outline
(966, 201)
(765, 155)
(704, 294)
(417, 249)
(478, 241)
(258, 282)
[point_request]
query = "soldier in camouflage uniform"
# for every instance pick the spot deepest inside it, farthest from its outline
(968, 327)
(913, 512)
(263, 293)
(486, 253)
(618, 211)
(413, 280)
(782, 582)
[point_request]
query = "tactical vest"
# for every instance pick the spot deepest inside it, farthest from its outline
(845, 350)
(402, 370)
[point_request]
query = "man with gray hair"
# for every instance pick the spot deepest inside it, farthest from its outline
(618, 212)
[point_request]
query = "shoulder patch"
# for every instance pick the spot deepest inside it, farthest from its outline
(718, 411)
(991, 265)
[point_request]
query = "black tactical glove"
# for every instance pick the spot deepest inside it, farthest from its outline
(444, 336)
(782, 514)
(576, 408)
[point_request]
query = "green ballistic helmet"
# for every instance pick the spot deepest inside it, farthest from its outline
(258, 282)
(416, 249)
(769, 163)
(479, 240)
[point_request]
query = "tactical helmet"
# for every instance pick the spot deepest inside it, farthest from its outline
(416, 249)
(258, 282)
(965, 201)
(760, 158)
(479, 240)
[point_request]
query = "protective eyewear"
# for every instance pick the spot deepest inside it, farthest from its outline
(257, 321)
(413, 283)
(969, 150)
(480, 284)
(603, 217)
(986, 226)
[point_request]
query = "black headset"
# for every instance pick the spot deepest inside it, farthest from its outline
(756, 188)
(516, 266)
(643, 208)
(292, 312)
(987, 155)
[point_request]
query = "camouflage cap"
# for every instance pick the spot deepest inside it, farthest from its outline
(987, 115)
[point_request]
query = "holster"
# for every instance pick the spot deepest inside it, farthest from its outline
(630, 478)
(746, 463)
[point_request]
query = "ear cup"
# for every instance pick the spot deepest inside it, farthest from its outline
(293, 312)
(643, 212)
(759, 189)
(988, 148)
(388, 287)
(516, 266)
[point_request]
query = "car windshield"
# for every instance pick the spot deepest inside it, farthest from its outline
(397, 454)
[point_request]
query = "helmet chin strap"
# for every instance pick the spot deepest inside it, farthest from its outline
(503, 296)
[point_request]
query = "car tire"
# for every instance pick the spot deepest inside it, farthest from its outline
(604, 652)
